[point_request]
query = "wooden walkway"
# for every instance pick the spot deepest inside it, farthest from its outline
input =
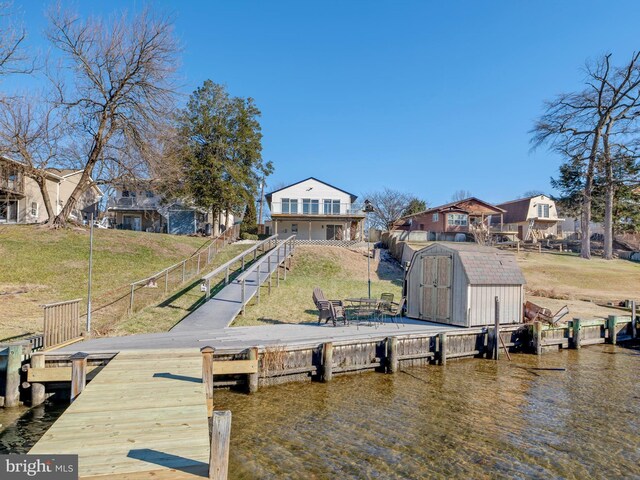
(143, 416)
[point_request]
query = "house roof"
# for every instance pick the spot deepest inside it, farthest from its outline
(456, 206)
(484, 265)
(268, 195)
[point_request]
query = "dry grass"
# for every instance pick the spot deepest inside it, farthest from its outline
(341, 274)
(39, 265)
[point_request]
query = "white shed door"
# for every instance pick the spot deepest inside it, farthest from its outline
(436, 288)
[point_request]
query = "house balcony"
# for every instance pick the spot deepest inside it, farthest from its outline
(11, 184)
(133, 203)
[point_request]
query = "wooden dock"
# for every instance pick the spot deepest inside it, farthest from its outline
(143, 416)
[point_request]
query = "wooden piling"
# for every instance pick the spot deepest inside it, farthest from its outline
(576, 333)
(612, 320)
(392, 354)
(78, 373)
(37, 389)
(496, 340)
(634, 327)
(442, 338)
(327, 362)
(12, 378)
(207, 376)
(220, 436)
(537, 337)
(252, 378)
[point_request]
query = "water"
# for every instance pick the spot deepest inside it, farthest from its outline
(529, 418)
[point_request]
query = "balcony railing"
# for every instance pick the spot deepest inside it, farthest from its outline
(11, 182)
(318, 209)
(134, 202)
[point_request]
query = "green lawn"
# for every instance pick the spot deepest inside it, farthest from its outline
(341, 274)
(39, 265)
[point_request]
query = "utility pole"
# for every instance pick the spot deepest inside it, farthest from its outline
(90, 272)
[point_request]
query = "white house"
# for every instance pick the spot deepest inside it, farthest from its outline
(315, 211)
(533, 218)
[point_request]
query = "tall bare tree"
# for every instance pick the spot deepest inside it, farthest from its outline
(12, 57)
(389, 205)
(121, 88)
(574, 124)
(461, 195)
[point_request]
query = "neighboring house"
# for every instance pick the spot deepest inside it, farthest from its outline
(570, 228)
(315, 211)
(140, 208)
(446, 221)
(532, 218)
(21, 200)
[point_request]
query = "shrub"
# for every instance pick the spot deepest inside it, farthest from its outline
(248, 236)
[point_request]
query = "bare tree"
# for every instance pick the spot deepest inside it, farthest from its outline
(30, 131)
(389, 205)
(532, 193)
(461, 195)
(574, 125)
(121, 90)
(12, 57)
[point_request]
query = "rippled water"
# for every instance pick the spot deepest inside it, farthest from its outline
(575, 414)
(470, 419)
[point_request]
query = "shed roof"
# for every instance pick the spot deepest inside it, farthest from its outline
(484, 265)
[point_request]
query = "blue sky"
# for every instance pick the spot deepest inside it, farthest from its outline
(423, 97)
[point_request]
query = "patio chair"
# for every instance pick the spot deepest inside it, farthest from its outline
(337, 313)
(386, 299)
(396, 310)
(323, 305)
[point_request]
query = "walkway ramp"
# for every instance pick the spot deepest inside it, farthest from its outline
(143, 416)
(224, 307)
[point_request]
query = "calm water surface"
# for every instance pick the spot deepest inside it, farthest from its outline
(575, 414)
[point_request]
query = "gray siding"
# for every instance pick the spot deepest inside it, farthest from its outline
(483, 304)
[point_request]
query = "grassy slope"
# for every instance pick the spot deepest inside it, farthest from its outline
(38, 265)
(340, 273)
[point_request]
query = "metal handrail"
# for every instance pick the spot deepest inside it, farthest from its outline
(226, 266)
(243, 278)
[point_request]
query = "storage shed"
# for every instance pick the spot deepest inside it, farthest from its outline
(456, 283)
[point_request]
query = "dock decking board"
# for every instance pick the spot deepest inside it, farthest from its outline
(143, 416)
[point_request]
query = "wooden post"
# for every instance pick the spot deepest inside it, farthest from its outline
(539, 247)
(78, 373)
(198, 271)
(37, 389)
(634, 328)
(242, 269)
(576, 333)
(518, 246)
(219, 454)
(207, 376)
(443, 348)
(207, 286)
(537, 337)
(243, 296)
(166, 281)
(611, 326)
(131, 299)
(184, 270)
(12, 378)
(327, 362)
(392, 354)
(496, 348)
(252, 378)
(226, 277)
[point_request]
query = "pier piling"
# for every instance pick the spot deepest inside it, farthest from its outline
(220, 435)
(37, 389)
(252, 378)
(327, 362)
(392, 354)
(78, 374)
(207, 376)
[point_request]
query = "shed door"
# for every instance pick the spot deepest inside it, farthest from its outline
(436, 288)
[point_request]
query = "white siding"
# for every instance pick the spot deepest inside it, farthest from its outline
(482, 302)
(311, 189)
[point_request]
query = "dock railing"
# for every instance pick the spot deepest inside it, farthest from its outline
(62, 323)
(264, 246)
(289, 247)
(177, 274)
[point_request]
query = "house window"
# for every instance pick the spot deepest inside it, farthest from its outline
(332, 207)
(149, 194)
(289, 205)
(34, 209)
(8, 211)
(294, 228)
(310, 207)
(543, 210)
(434, 217)
(128, 193)
(457, 219)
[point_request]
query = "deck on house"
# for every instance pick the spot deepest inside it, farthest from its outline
(143, 416)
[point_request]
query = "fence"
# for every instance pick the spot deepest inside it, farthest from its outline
(61, 322)
(263, 246)
(144, 292)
